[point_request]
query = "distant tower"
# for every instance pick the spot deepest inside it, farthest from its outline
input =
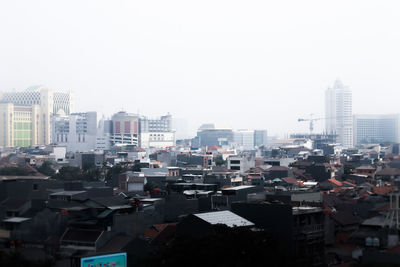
(338, 113)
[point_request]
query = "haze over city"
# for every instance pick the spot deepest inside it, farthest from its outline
(241, 64)
(214, 133)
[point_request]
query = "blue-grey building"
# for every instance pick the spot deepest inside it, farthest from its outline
(370, 129)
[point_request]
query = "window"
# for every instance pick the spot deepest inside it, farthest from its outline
(117, 127)
(127, 126)
(35, 187)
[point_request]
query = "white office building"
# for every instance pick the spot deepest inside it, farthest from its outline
(339, 114)
(77, 131)
(375, 129)
(157, 133)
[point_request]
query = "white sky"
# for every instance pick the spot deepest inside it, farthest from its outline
(244, 64)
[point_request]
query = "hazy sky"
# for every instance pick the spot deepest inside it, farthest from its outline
(244, 64)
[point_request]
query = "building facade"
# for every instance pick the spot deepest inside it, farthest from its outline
(244, 139)
(21, 126)
(157, 133)
(339, 114)
(369, 129)
(104, 132)
(125, 127)
(260, 137)
(208, 135)
(76, 131)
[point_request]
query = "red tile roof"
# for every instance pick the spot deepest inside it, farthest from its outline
(336, 182)
(382, 190)
(348, 184)
(290, 180)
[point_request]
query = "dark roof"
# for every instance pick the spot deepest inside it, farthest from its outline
(81, 235)
(278, 168)
(165, 235)
(111, 201)
(388, 172)
(303, 163)
(14, 204)
(345, 218)
(66, 205)
(116, 244)
(365, 167)
(331, 200)
(291, 180)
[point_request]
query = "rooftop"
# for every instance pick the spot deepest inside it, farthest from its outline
(67, 193)
(240, 187)
(305, 209)
(16, 219)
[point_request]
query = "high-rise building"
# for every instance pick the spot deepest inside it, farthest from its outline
(369, 129)
(125, 128)
(338, 113)
(34, 106)
(76, 131)
(260, 137)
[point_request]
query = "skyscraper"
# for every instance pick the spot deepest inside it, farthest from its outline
(338, 113)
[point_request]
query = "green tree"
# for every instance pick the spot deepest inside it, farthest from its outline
(114, 170)
(219, 161)
(14, 171)
(348, 169)
(46, 168)
(69, 173)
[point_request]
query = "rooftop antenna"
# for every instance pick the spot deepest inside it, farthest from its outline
(392, 218)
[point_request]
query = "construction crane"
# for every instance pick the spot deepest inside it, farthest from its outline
(312, 120)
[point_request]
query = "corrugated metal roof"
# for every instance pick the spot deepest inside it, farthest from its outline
(224, 217)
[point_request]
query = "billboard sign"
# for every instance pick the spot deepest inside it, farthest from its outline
(109, 260)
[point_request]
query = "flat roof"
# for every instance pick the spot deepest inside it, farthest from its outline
(194, 184)
(67, 193)
(11, 178)
(240, 187)
(150, 199)
(305, 209)
(16, 219)
(120, 207)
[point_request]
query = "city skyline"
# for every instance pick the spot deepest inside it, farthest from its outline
(320, 123)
